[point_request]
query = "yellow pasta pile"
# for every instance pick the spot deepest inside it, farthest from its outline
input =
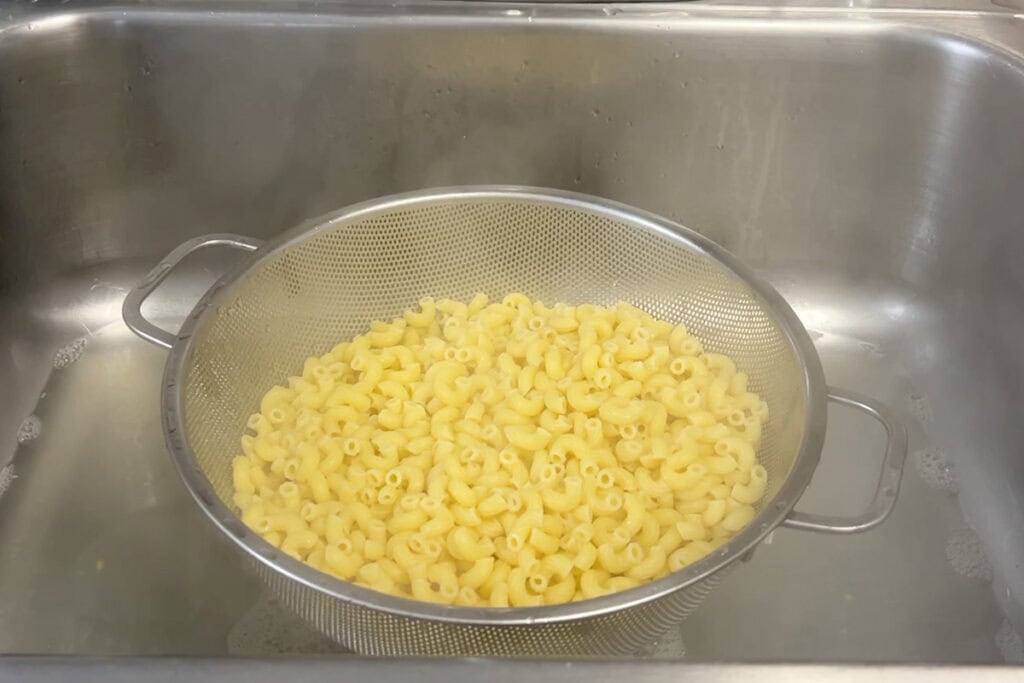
(505, 454)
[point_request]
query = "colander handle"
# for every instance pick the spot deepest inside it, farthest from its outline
(888, 482)
(131, 310)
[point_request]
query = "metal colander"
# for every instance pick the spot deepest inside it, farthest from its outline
(325, 281)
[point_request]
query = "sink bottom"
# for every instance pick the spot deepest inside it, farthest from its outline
(131, 566)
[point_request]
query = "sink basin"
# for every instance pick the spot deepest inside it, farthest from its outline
(867, 161)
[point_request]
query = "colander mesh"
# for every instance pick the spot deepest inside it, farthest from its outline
(330, 283)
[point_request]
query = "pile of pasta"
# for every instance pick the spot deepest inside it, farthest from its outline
(505, 454)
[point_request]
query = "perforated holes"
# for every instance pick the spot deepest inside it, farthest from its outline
(333, 283)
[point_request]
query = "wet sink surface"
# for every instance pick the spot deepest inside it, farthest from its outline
(866, 162)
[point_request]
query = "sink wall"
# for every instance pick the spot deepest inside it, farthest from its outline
(869, 164)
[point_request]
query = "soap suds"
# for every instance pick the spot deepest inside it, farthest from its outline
(7, 477)
(967, 555)
(1010, 644)
(29, 429)
(69, 353)
(269, 628)
(936, 470)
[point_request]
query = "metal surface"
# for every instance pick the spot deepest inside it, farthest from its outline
(329, 278)
(50, 669)
(865, 160)
(888, 480)
(131, 310)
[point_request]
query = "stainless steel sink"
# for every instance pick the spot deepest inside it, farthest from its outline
(869, 161)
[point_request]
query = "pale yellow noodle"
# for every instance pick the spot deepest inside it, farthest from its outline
(505, 454)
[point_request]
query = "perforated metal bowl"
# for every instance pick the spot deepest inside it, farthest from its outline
(326, 280)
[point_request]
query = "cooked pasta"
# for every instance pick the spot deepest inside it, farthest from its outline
(505, 454)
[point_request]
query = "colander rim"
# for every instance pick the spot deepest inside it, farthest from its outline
(768, 518)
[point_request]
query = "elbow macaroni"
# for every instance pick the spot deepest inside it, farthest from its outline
(505, 454)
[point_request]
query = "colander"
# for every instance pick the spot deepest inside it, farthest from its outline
(324, 281)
